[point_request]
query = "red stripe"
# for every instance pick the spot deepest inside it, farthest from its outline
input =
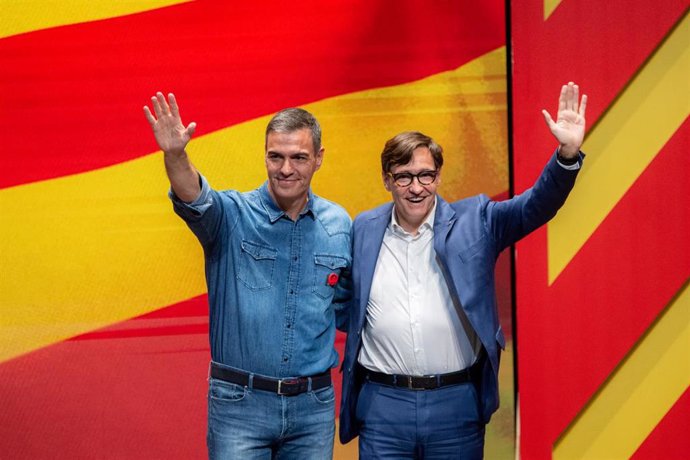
(139, 398)
(605, 299)
(600, 45)
(572, 336)
(191, 308)
(670, 436)
(178, 329)
(72, 96)
(153, 383)
(196, 306)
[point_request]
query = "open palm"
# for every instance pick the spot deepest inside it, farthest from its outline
(171, 135)
(569, 127)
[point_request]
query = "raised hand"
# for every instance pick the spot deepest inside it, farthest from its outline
(569, 127)
(172, 138)
(171, 135)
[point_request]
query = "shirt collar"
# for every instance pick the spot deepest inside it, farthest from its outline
(274, 212)
(428, 223)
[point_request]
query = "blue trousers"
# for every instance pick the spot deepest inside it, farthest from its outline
(398, 423)
(245, 423)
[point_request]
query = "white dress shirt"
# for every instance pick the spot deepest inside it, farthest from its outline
(413, 325)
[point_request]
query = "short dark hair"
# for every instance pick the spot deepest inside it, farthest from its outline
(294, 119)
(398, 150)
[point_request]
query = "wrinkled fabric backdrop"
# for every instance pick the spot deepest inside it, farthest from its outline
(103, 315)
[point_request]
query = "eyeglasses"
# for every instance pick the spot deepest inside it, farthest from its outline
(405, 179)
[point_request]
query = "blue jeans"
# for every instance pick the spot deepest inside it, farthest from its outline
(246, 423)
(398, 423)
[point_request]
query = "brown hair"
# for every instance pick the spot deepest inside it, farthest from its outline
(398, 150)
(294, 119)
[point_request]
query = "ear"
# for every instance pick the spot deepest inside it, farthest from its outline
(319, 157)
(386, 178)
(438, 177)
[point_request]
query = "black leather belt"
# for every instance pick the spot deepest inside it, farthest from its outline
(284, 387)
(424, 382)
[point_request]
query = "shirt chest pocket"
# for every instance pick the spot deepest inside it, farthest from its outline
(326, 274)
(257, 264)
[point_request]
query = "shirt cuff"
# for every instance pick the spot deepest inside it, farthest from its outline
(572, 167)
(199, 206)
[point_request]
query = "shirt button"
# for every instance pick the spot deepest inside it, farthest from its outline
(291, 292)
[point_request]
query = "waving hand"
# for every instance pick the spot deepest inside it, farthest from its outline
(172, 138)
(170, 133)
(569, 127)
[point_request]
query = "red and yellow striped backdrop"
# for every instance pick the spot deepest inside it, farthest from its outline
(103, 317)
(603, 302)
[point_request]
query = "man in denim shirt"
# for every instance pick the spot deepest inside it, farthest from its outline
(274, 260)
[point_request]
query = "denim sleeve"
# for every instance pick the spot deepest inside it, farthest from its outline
(203, 215)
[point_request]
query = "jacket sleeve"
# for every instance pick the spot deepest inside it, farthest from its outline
(509, 221)
(344, 290)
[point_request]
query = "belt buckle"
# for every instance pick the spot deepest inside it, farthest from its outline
(422, 383)
(410, 386)
(287, 382)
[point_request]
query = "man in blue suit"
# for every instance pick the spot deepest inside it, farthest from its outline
(424, 341)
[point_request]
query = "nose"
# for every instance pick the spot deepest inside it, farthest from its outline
(286, 168)
(415, 187)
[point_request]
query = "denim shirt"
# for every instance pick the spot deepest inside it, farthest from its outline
(274, 284)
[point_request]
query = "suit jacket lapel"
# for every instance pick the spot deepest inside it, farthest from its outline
(373, 231)
(443, 222)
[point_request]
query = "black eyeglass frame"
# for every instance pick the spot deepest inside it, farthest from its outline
(433, 174)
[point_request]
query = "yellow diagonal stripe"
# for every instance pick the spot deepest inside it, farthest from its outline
(19, 16)
(638, 394)
(84, 251)
(622, 144)
(549, 7)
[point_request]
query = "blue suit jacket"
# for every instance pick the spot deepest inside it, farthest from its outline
(468, 237)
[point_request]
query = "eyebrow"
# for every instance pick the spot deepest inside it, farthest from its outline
(292, 154)
(417, 173)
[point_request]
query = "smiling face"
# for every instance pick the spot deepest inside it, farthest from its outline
(290, 163)
(414, 202)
